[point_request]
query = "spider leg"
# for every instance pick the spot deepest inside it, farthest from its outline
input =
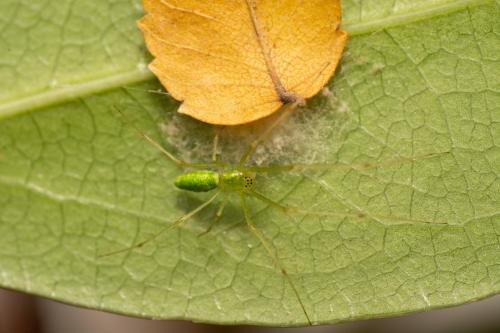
(216, 218)
(181, 163)
(286, 111)
(360, 215)
(328, 166)
(176, 223)
(257, 233)
(214, 147)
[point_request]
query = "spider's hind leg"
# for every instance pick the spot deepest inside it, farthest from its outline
(216, 218)
(166, 228)
(179, 162)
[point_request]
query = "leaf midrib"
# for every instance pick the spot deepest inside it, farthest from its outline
(61, 198)
(140, 73)
(405, 18)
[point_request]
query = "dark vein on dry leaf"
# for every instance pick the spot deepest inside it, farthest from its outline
(273, 100)
(187, 11)
(283, 94)
(205, 53)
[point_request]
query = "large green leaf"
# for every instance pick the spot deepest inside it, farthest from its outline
(76, 181)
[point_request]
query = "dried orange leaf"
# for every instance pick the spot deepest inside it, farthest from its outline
(232, 62)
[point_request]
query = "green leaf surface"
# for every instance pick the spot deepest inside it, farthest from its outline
(418, 77)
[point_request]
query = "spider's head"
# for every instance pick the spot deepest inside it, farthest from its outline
(249, 180)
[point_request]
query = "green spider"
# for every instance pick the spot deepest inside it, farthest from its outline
(240, 179)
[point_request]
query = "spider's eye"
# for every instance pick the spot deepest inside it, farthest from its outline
(249, 182)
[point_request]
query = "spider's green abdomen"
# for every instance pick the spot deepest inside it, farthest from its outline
(198, 181)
